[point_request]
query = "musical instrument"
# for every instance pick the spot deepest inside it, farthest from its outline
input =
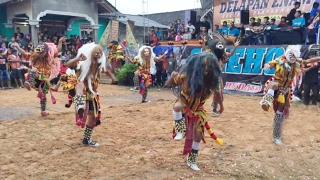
(227, 39)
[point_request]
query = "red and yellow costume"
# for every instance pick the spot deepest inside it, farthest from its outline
(115, 56)
(278, 90)
(45, 66)
(195, 87)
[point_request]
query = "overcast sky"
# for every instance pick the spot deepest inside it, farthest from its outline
(154, 6)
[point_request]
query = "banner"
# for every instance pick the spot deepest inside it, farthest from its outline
(244, 71)
(229, 10)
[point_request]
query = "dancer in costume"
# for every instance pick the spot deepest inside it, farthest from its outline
(220, 51)
(91, 62)
(197, 80)
(147, 67)
(45, 66)
(116, 55)
(68, 82)
(278, 90)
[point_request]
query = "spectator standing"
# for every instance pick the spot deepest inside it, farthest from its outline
(198, 27)
(313, 12)
(4, 74)
(179, 26)
(172, 65)
(5, 40)
(18, 33)
(158, 33)
(25, 41)
(206, 24)
(190, 30)
(14, 61)
(291, 15)
(311, 82)
(159, 72)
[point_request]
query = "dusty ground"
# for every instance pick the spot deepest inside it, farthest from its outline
(136, 141)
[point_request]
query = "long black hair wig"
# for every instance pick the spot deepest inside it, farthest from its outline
(202, 72)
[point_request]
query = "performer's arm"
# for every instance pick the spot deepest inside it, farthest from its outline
(23, 52)
(174, 80)
(61, 40)
(307, 69)
(236, 44)
(71, 63)
(311, 60)
(203, 45)
(162, 56)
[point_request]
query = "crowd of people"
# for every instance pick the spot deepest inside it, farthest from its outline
(178, 31)
(259, 31)
(13, 64)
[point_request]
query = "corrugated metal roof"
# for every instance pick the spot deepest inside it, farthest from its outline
(138, 20)
(168, 17)
(4, 1)
(206, 4)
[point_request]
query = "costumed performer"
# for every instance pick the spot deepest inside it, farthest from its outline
(278, 90)
(45, 66)
(217, 47)
(116, 55)
(198, 79)
(68, 81)
(147, 68)
(91, 62)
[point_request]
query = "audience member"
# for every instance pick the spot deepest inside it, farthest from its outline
(14, 61)
(283, 22)
(291, 15)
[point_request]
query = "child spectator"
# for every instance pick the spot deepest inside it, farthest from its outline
(14, 61)
(178, 37)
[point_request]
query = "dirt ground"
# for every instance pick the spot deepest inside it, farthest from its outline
(136, 140)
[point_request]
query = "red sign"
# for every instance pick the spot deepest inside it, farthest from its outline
(243, 87)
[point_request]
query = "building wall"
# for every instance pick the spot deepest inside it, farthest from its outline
(87, 7)
(20, 7)
(103, 22)
(3, 30)
(76, 27)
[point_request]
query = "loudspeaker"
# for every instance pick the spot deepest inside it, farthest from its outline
(244, 16)
(190, 16)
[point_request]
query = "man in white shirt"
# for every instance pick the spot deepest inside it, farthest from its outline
(190, 30)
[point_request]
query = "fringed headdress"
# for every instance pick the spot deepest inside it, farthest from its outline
(293, 53)
(152, 55)
(84, 66)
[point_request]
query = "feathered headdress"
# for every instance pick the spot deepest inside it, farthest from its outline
(293, 50)
(152, 63)
(84, 66)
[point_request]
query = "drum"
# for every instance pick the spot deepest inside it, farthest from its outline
(219, 36)
(230, 39)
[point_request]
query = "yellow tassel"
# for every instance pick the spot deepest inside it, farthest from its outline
(210, 131)
(219, 141)
(281, 99)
